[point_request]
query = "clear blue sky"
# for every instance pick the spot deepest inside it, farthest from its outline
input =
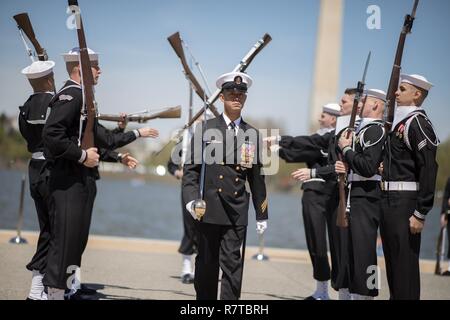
(140, 69)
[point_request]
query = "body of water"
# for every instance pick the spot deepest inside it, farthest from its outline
(153, 210)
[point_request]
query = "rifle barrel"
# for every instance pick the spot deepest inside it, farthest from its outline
(396, 69)
(170, 113)
(342, 220)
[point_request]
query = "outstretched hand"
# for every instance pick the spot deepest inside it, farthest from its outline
(148, 133)
(302, 174)
(129, 161)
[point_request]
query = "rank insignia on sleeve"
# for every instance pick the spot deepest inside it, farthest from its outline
(264, 205)
(422, 144)
(65, 97)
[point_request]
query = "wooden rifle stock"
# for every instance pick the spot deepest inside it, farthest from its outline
(342, 220)
(177, 45)
(88, 80)
(24, 23)
(395, 74)
(170, 113)
(241, 67)
(342, 215)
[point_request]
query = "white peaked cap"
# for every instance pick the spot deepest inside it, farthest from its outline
(38, 69)
(72, 55)
(234, 77)
(416, 80)
(376, 93)
(332, 108)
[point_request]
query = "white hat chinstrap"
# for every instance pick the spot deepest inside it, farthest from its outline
(416, 80)
(38, 69)
(72, 55)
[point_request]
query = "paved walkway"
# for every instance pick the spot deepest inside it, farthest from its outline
(124, 268)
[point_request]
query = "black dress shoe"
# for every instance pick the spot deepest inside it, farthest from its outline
(187, 278)
(77, 296)
(310, 298)
(446, 273)
(84, 289)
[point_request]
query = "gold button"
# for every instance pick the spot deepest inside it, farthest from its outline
(221, 177)
(235, 193)
(220, 190)
(237, 179)
(237, 168)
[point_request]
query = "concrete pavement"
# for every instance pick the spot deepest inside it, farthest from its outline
(124, 268)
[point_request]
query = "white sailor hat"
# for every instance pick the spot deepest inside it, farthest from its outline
(72, 55)
(416, 80)
(332, 108)
(234, 80)
(38, 69)
(376, 93)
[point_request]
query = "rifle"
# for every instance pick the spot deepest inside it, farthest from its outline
(440, 251)
(175, 41)
(395, 75)
(187, 134)
(24, 25)
(177, 45)
(169, 113)
(343, 208)
(241, 67)
(88, 79)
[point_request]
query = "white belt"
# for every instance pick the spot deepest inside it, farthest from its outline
(400, 186)
(353, 177)
(38, 156)
(314, 180)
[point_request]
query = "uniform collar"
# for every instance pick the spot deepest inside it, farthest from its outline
(365, 122)
(323, 131)
(44, 92)
(343, 122)
(237, 122)
(71, 82)
(401, 113)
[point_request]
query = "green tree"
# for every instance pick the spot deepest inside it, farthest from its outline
(12, 145)
(443, 160)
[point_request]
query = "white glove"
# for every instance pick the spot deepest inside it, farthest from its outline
(272, 139)
(190, 209)
(261, 226)
(274, 148)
